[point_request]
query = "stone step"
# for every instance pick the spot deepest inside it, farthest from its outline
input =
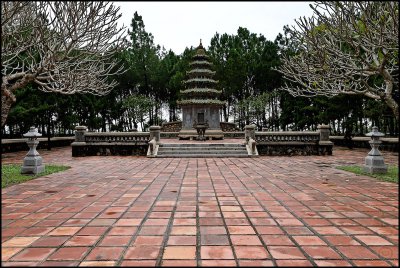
(202, 148)
(162, 152)
(201, 145)
(200, 155)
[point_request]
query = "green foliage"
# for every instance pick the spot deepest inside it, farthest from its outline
(137, 107)
(243, 63)
(11, 174)
(391, 176)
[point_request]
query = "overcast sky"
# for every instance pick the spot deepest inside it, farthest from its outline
(176, 25)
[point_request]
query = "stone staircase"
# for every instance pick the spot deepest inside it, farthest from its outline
(201, 150)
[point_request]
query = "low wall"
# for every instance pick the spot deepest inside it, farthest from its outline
(292, 143)
(112, 143)
(177, 126)
(136, 143)
(171, 126)
(228, 127)
(14, 145)
(388, 144)
(169, 135)
(234, 134)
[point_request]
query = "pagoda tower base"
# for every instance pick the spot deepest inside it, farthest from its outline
(210, 134)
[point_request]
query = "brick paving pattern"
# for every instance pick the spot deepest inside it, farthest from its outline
(137, 211)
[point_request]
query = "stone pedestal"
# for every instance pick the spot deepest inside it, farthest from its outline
(374, 162)
(79, 145)
(249, 132)
(324, 134)
(155, 133)
(32, 161)
(80, 133)
(325, 145)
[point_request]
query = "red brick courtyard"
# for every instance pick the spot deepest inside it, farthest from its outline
(138, 211)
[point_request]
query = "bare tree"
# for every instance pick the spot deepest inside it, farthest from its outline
(64, 47)
(346, 47)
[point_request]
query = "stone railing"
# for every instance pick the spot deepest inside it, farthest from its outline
(117, 137)
(171, 126)
(290, 142)
(112, 143)
(169, 135)
(14, 145)
(388, 144)
(228, 127)
(234, 135)
(292, 137)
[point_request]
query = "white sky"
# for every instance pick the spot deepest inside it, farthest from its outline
(176, 25)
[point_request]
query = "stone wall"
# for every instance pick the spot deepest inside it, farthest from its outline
(228, 127)
(110, 143)
(171, 126)
(294, 142)
(388, 144)
(234, 135)
(15, 145)
(292, 149)
(112, 149)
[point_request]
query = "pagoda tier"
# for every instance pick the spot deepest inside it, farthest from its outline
(200, 101)
(200, 72)
(200, 85)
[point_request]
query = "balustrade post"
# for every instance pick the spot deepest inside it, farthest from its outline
(80, 133)
(79, 145)
(155, 133)
(323, 132)
(325, 145)
(250, 132)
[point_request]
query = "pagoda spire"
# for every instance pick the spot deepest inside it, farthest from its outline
(199, 100)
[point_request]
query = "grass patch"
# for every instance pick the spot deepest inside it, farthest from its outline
(11, 173)
(391, 176)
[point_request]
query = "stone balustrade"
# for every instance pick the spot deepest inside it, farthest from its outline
(292, 142)
(228, 127)
(117, 137)
(290, 137)
(112, 143)
(171, 126)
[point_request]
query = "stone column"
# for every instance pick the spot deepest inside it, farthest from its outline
(155, 132)
(79, 145)
(80, 133)
(374, 162)
(32, 161)
(324, 144)
(250, 132)
(323, 132)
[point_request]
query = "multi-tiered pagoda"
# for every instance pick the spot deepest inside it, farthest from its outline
(199, 100)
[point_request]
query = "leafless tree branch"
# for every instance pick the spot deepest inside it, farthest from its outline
(345, 47)
(65, 47)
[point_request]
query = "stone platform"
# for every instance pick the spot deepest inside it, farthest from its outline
(138, 211)
(210, 134)
(203, 150)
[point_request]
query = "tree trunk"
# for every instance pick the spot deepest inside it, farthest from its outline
(225, 113)
(394, 106)
(6, 103)
(48, 131)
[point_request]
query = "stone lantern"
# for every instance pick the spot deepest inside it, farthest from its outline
(32, 161)
(374, 161)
